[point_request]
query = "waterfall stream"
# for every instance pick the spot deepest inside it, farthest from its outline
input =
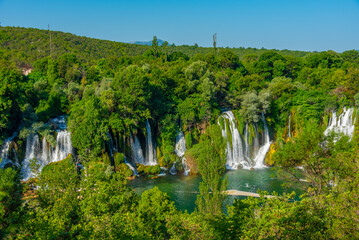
(344, 124)
(261, 154)
(150, 146)
(6, 151)
(43, 152)
(137, 153)
(245, 151)
(289, 126)
(180, 149)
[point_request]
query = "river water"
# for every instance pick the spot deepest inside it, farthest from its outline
(183, 189)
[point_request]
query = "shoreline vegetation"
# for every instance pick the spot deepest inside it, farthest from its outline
(80, 115)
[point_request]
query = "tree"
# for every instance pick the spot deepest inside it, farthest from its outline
(88, 124)
(211, 155)
(253, 105)
(317, 153)
(10, 200)
(153, 210)
(106, 203)
(215, 43)
(155, 46)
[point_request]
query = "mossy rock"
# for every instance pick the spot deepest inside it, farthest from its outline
(118, 158)
(58, 164)
(179, 166)
(269, 161)
(124, 170)
(148, 170)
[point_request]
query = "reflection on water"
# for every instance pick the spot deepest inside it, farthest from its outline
(183, 189)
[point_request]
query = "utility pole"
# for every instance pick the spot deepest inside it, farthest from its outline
(48, 27)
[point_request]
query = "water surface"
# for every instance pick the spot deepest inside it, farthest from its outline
(183, 190)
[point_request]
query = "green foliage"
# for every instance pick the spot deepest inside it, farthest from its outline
(277, 218)
(149, 170)
(153, 209)
(10, 200)
(317, 154)
(254, 105)
(118, 158)
(88, 125)
(211, 155)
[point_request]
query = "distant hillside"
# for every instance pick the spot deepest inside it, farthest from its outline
(33, 44)
(25, 45)
(148, 43)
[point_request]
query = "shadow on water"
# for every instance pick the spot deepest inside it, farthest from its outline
(183, 190)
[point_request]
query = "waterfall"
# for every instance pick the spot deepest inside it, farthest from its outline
(63, 146)
(262, 152)
(344, 124)
(45, 153)
(247, 148)
(33, 150)
(180, 149)
(137, 153)
(150, 148)
(173, 170)
(5, 152)
(246, 151)
(289, 126)
(112, 147)
(134, 170)
(235, 156)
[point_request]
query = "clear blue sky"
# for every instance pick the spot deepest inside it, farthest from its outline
(313, 25)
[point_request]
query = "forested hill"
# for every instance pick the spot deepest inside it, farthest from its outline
(26, 45)
(29, 44)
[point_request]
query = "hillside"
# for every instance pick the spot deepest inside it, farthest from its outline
(26, 45)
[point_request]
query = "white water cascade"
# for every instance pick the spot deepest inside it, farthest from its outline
(137, 153)
(44, 152)
(150, 147)
(244, 153)
(5, 152)
(344, 124)
(173, 170)
(289, 126)
(180, 149)
(262, 152)
(235, 154)
(133, 169)
(113, 148)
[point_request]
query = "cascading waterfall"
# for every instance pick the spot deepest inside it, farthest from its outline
(133, 169)
(150, 148)
(244, 152)
(173, 170)
(112, 148)
(344, 124)
(137, 153)
(289, 126)
(5, 152)
(180, 149)
(261, 154)
(235, 154)
(45, 153)
(63, 146)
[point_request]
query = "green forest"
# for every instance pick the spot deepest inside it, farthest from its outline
(110, 92)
